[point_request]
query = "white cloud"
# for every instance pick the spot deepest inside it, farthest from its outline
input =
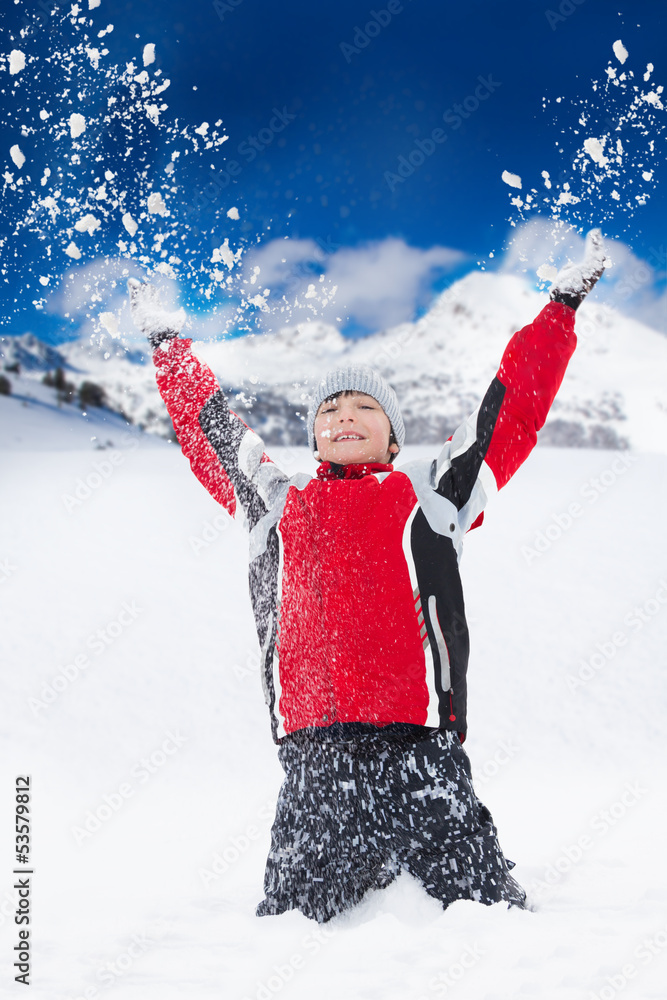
(98, 287)
(631, 284)
(95, 291)
(379, 284)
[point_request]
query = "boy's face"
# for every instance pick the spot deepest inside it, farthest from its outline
(353, 428)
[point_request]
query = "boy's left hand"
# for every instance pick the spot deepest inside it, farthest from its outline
(574, 281)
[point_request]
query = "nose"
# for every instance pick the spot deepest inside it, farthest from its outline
(346, 412)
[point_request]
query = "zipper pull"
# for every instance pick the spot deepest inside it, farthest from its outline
(452, 717)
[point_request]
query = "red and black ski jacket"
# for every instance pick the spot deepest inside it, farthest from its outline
(354, 576)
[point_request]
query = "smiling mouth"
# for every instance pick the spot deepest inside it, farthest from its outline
(348, 437)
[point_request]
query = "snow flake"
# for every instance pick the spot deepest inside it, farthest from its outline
(17, 156)
(226, 255)
(595, 149)
(620, 51)
(149, 53)
(546, 272)
(130, 224)
(512, 179)
(88, 224)
(16, 61)
(156, 205)
(77, 125)
(73, 251)
(94, 56)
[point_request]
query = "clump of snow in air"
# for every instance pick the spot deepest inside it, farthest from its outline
(547, 272)
(122, 170)
(88, 224)
(109, 321)
(16, 61)
(77, 125)
(156, 205)
(225, 255)
(620, 51)
(607, 146)
(17, 156)
(595, 149)
(512, 179)
(233, 213)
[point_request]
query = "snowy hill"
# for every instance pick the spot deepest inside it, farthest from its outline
(131, 696)
(613, 396)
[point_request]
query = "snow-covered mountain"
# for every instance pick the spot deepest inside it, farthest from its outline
(613, 396)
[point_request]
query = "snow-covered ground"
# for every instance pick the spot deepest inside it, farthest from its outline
(131, 696)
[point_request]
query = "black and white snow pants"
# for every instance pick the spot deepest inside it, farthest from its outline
(352, 814)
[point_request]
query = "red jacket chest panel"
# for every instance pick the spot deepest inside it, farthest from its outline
(349, 640)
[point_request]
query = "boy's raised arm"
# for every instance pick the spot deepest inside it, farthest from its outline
(488, 448)
(225, 454)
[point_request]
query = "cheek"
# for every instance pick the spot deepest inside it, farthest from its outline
(382, 429)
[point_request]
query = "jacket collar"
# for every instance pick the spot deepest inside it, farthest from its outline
(330, 470)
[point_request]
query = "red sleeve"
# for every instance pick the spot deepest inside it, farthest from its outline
(531, 372)
(185, 384)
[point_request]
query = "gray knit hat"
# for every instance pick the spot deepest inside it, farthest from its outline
(359, 378)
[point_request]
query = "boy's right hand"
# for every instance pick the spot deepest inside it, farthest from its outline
(150, 316)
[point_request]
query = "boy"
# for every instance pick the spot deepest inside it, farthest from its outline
(359, 609)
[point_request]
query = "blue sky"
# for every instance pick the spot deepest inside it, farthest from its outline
(373, 137)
